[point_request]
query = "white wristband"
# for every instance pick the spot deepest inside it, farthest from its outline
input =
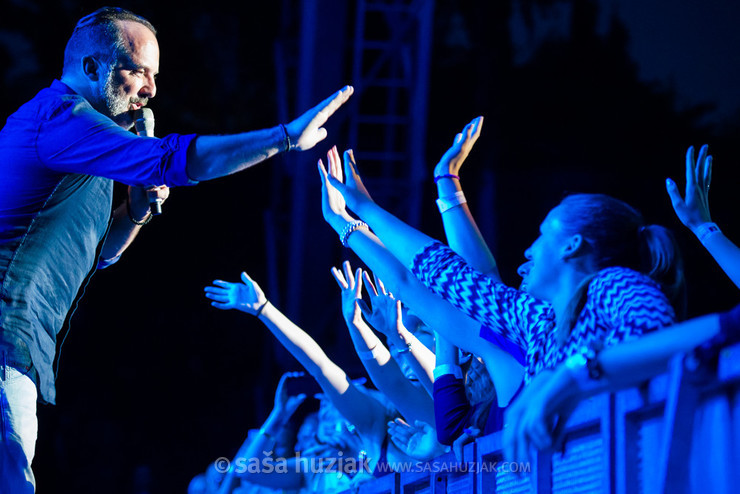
(445, 369)
(448, 202)
(706, 230)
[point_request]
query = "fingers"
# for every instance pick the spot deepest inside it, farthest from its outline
(350, 165)
(161, 192)
(281, 383)
(674, 193)
(690, 176)
(220, 305)
(335, 164)
(322, 171)
(380, 285)
(399, 316)
(370, 284)
(540, 434)
(218, 296)
(521, 442)
(458, 445)
(246, 279)
(401, 430)
(295, 401)
(698, 168)
(340, 278)
(358, 286)
(708, 173)
(477, 128)
(348, 274)
(327, 107)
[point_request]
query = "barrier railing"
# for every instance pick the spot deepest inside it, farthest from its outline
(678, 433)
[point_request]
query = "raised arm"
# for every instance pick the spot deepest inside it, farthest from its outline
(463, 235)
(217, 156)
(412, 402)
(361, 410)
(693, 211)
(387, 316)
(447, 320)
(501, 308)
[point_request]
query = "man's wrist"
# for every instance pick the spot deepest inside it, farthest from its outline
(287, 144)
(136, 217)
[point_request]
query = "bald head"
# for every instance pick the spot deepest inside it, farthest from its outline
(102, 35)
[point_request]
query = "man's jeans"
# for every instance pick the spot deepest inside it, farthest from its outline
(18, 430)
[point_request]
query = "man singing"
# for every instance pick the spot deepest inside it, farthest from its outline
(59, 155)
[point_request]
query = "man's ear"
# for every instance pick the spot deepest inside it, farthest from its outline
(574, 246)
(91, 68)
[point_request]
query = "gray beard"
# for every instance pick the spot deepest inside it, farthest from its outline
(116, 106)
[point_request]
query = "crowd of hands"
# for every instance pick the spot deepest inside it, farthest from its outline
(396, 356)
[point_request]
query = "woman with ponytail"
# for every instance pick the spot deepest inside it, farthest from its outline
(595, 276)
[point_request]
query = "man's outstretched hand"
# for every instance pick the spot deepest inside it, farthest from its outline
(306, 131)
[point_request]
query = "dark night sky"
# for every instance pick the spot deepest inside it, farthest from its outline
(154, 384)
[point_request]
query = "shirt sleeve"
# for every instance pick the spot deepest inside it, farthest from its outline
(77, 139)
(452, 410)
(632, 303)
(104, 263)
(506, 311)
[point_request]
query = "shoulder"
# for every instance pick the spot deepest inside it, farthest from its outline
(617, 278)
(623, 294)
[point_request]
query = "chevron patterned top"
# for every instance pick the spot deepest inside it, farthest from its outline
(621, 304)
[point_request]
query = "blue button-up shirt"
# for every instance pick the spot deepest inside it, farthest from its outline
(58, 160)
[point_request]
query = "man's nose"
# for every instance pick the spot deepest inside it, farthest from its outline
(149, 89)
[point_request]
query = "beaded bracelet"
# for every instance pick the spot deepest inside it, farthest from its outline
(351, 227)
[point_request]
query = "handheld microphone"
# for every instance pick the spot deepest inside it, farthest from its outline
(144, 125)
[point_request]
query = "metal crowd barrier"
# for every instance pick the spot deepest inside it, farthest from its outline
(678, 433)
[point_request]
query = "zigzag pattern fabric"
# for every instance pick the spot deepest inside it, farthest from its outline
(621, 304)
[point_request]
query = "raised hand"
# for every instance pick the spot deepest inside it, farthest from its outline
(246, 296)
(306, 131)
(352, 193)
(418, 441)
(453, 159)
(384, 313)
(351, 285)
(286, 405)
(353, 177)
(693, 209)
(333, 205)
